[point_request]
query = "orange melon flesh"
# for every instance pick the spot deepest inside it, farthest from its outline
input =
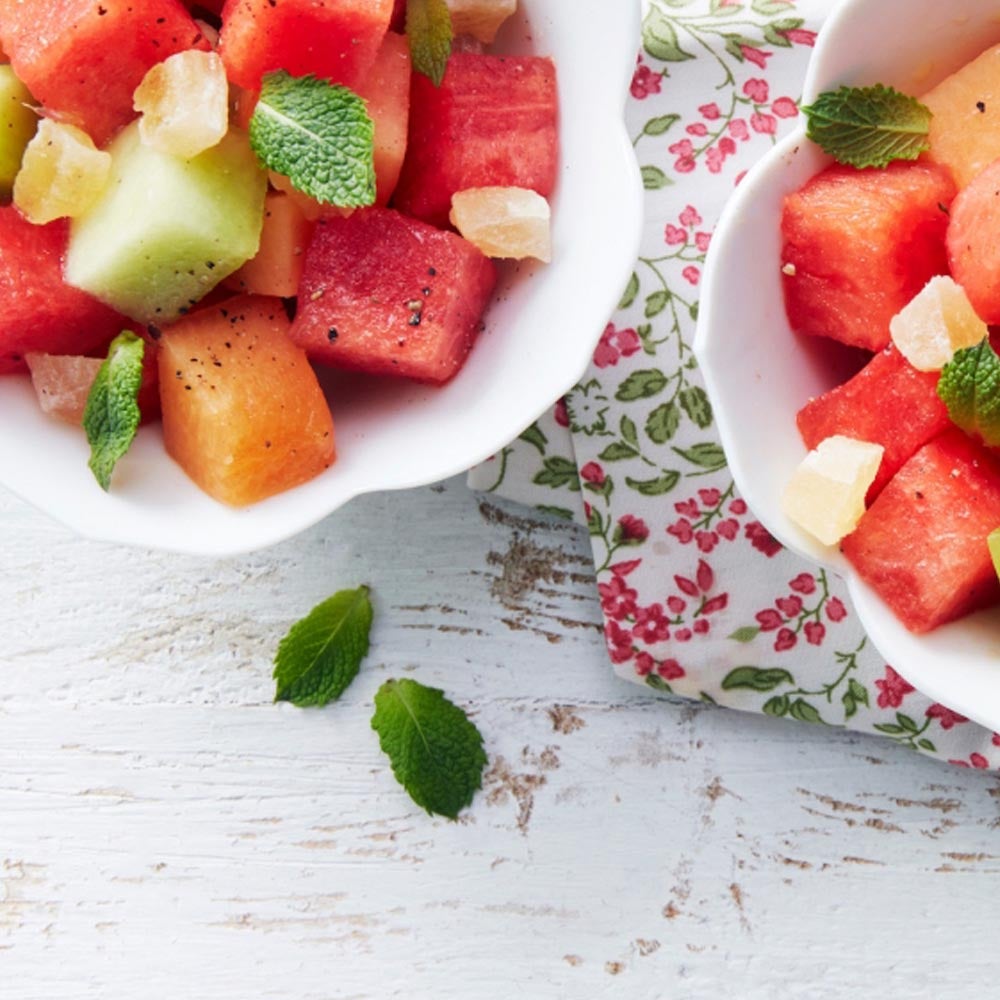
(965, 130)
(243, 412)
(277, 267)
(973, 250)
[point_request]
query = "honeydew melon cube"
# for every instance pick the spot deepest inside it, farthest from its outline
(938, 321)
(167, 230)
(17, 125)
(508, 222)
(826, 494)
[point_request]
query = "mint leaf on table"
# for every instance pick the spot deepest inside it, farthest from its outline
(111, 415)
(317, 134)
(868, 126)
(436, 753)
(428, 28)
(969, 386)
(321, 654)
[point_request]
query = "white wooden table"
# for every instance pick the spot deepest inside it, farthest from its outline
(167, 832)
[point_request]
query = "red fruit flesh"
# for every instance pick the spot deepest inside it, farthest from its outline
(973, 248)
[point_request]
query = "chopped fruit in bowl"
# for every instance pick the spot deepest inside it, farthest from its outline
(845, 335)
(288, 218)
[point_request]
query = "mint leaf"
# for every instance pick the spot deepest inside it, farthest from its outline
(428, 28)
(321, 654)
(970, 389)
(868, 126)
(436, 753)
(317, 134)
(111, 416)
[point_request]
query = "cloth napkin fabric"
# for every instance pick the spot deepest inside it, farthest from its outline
(698, 598)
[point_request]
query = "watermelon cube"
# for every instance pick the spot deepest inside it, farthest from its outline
(859, 244)
(922, 545)
(41, 312)
(334, 41)
(390, 295)
(491, 123)
(973, 249)
(888, 402)
(85, 59)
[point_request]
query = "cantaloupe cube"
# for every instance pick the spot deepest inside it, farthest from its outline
(826, 494)
(62, 173)
(17, 125)
(243, 412)
(971, 240)
(506, 222)
(935, 324)
(965, 130)
(184, 102)
(479, 18)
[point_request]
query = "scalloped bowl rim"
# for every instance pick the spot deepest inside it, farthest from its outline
(757, 385)
(540, 332)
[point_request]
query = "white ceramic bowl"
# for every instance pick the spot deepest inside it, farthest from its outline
(759, 373)
(540, 333)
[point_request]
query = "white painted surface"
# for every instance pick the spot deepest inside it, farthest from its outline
(165, 831)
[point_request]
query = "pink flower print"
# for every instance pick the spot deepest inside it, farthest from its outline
(645, 82)
(710, 111)
(698, 129)
(765, 124)
(674, 235)
(625, 567)
(559, 413)
(762, 539)
(717, 603)
(739, 177)
(996, 739)
(789, 606)
(769, 620)
(683, 635)
(738, 129)
(689, 217)
(729, 528)
(707, 540)
(738, 507)
(689, 507)
(800, 36)
(670, 670)
(632, 528)
(785, 640)
(757, 56)
(815, 633)
(614, 345)
(945, 716)
(892, 689)
(619, 642)
(651, 624)
(714, 159)
(705, 576)
(727, 146)
(677, 605)
(684, 151)
(976, 760)
(785, 107)
(702, 240)
(757, 90)
(644, 664)
(702, 625)
(804, 583)
(592, 473)
(618, 599)
(681, 530)
(710, 497)
(835, 609)
(692, 274)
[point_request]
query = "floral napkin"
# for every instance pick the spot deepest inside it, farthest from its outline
(698, 598)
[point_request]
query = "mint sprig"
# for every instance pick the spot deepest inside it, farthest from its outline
(429, 30)
(111, 415)
(969, 386)
(868, 126)
(436, 753)
(317, 134)
(322, 653)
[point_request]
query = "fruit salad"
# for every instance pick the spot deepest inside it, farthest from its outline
(896, 253)
(202, 202)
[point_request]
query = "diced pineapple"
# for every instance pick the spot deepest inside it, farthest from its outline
(17, 126)
(826, 494)
(62, 173)
(479, 18)
(504, 221)
(184, 102)
(938, 321)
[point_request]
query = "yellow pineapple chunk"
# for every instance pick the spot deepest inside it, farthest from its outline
(938, 321)
(62, 173)
(965, 130)
(479, 18)
(826, 494)
(504, 221)
(184, 102)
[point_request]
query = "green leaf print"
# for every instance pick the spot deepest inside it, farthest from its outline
(617, 452)
(661, 124)
(659, 37)
(631, 291)
(804, 712)
(558, 472)
(642, 384)
(756, 678)
(777, 706)
(656, 303)
(628, 430)
(535, 436)
(653, 178)
(662, 423)
(654, 487)
(694, 401)
(707, 455)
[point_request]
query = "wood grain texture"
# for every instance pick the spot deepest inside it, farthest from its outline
(169, 832)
